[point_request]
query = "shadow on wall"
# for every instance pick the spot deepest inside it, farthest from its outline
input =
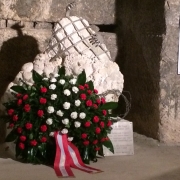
(139, 38)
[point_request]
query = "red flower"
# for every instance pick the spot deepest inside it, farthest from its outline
(15, 118)
(95, 119)
(43, 128)
(81, 87)
(42, 100)
(101, 124)
(83, 96)
(95, 91)
(18, 95)
(89, 91)
(95, 142)
(21, 145)
(98, 101)
(43, 90)
(27, 107)
(22, 138)
(84, 136)
(86, 86)
(103, 139)
(103, 101)
(109, 123)
(11, 125)
(89, 103)
(87, 124)
(10, 112)
(97, 148)
(43, 139)
(19, 102)
(25, 97)
(97, 130)
(104, 112)
(95, 106)
(19, 130)
(40, 113)
(33, 142)
(86, 143)
(28, 126)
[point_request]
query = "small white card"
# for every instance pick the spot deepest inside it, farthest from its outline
(122, 139)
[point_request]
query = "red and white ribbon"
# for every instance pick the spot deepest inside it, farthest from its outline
(67, 156)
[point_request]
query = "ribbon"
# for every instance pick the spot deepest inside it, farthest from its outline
(67, 156)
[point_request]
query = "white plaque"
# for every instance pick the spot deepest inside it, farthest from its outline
(122, 139)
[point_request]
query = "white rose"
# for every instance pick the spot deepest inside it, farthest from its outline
(56, 75)
(49, 121)
(65, 121)
(53, 96)
(70, 138)
(77, 124)
(52, 86)
(62, 81)
(64, 131)
(74, 115)
(73, 81)
(59, 113)
(67, 92)
(82, 115)
(66, 105)
(75, 89)
(51, 134)
(77, 103)
(53, 80)
(45, 79)
(50, 109)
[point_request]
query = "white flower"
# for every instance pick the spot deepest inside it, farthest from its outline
(75, 89)
(45, 79)
(50, 109)
(51, 134)
(65, 121)
(59, 113)
(77, 124)
(73, 81)
(82, 115)
(56, 75)
(52, 86)
(64, 131)
(74, 115)
(77, 103)
(66, 105)
(70, 138)
(49, 121)
(67, 92)
(53, 96)
(62, 81)
(53, 80)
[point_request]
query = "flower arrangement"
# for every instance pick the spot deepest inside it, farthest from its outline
(62, 103)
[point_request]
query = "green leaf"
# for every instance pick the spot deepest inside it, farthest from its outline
(86, 159)
(11, 136)
(81, 79)
(61, 71)
(31, 136)
(18, 89)
(109, 145)
(18, 151)
(100, 152)
(109, 105)
(36, 76)
(91, 85)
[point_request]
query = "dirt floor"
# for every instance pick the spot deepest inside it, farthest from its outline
(151, 161)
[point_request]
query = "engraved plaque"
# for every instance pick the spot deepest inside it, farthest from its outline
(122, 139)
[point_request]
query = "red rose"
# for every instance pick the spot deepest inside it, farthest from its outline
(19, 130)
(27, 107)
(89, 91)
(95, 142)
(15, 118)
(28, 126)
(89, 103)
(43, 90)
(86, 143)
(104, 112)
(103, 139)
(81, 87)
(83, 96)
(10, 112)
(11, 125)
(87, 124)
(84, 136)
(98, 101)
(103, 101)
(95, 119)
(43, 128)
(101, 124)
(19, 102)
(18, 95)
(40, 113)
(42, 100)
(25, 97)
(95, 91)
(43, 139)
(97, 130)
(86, 86)
(95, 106)
(97, 148)
(33, 142)
(22, 138)
(21, 145)
(109, 123)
